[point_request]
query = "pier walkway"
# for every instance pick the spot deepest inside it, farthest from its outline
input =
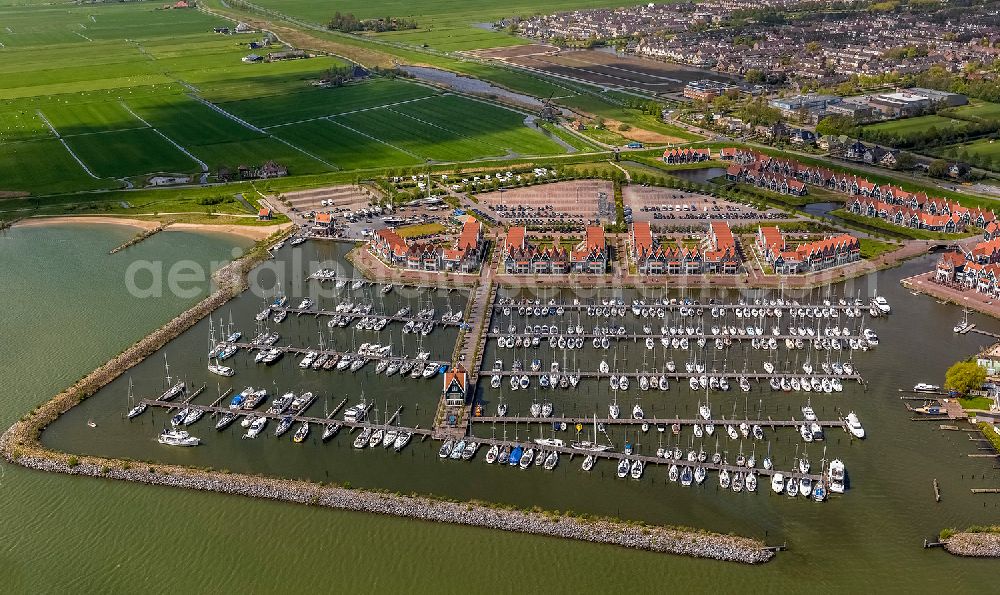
(685, 375)
(666, 421)
(616, 456)
(358, 315)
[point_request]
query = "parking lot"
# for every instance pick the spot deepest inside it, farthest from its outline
(576, 202)
(665, 207)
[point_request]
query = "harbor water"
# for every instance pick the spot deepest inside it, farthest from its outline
(69, 310)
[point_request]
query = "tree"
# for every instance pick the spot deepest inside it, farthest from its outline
(754, 76)
(905, 161)
(938, 168)
(835, 125)
(965, 376)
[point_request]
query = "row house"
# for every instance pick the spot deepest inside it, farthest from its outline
(914, 209)
(907, 217)
(652, 258)
(987, 252)
(465, 256)
(808, 256)
(592, 255)
(719, 252)
(522, 258)
(675, 156)
(983, 278)
(768, 181)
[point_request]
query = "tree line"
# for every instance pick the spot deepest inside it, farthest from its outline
(348, 23)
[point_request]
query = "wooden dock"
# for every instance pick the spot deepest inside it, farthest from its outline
(358, 316)
(754, 375)
(654, 421)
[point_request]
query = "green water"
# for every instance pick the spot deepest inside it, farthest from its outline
(68, 311)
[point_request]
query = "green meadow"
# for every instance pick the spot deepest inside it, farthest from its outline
(93, 94)
(446, 25)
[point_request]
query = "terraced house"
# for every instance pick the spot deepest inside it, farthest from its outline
(465, 256)
(717, 253)
(653, 258)
(521, 258)
(676, 156)
(881, 201)
(806, 257)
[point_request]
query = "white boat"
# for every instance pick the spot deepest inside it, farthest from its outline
(221, 370)
(177, 438)
(705, 412)
(882, 304)
(854, 425)
(777, 483)
(637, 412)
(836, 473)
(256, 427)
(923, 387)
(636, 470)
(492, 454)
(624, 466)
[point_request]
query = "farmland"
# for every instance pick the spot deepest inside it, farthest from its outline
(447, 25)
(92, 96)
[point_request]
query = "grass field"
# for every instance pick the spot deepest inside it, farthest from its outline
(118, 155)
(442, 24)
(914, 127)
(423, 229)
(342, 147)
(976, 109)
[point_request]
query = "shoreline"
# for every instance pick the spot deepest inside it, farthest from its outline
(253, 232)
(21, 444)
(973, 544)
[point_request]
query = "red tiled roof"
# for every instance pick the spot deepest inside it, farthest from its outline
(515, 238)
(392, 239)
(469, 237)
(595, 237)
(642, 238)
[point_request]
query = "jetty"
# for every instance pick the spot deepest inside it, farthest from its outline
(147, 233)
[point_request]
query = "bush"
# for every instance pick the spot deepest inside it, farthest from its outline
(72, 461)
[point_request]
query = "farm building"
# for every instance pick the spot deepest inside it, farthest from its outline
(286, 55)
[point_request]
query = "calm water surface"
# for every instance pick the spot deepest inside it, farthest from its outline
(68, 311)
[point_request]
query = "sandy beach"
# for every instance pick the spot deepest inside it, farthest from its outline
(253, 232)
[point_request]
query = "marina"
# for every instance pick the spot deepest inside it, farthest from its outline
(653, 497)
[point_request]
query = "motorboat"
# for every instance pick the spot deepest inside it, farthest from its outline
(221, 370)
(923, 387)
(175, 437)
(836, 474)
(778, 483)
(854, 425)
(492, 454)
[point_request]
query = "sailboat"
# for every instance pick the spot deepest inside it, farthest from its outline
(136, 409)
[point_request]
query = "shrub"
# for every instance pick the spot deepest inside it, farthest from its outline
(72, 461)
